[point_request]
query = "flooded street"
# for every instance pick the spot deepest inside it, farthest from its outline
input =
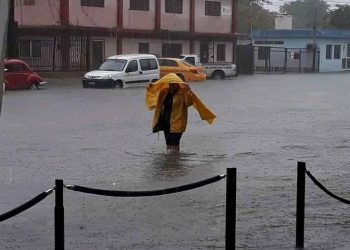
(100, 138)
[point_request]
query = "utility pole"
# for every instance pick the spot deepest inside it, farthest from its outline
(314, 47)
(12, 32)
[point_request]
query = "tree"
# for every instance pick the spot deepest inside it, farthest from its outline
(307, 13)
(339, 18)
(252, 14)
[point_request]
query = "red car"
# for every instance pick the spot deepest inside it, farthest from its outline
(18, 75)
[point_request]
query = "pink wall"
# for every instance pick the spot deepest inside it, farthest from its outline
(212, 24)
(134, 19)
(46, 13)
(93, 16)
(176, 22)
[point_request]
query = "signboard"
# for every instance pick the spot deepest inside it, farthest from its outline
(4, 13)
(226, 10)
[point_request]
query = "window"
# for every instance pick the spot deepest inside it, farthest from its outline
(139, 5)
(36, 48)
(171, 49)
(16, 67)
(143, 48)
(269, 42)
(191, 60)
(148, 64)
(212, 8)
(221, 52)
(173, 6)
(343, 63)
(167, 62)
(113, 65)
(348, 52)
(329, 52)
(133, 66)
(337, 51)
(263, 53)
(24, 48)
(296, 56)
(92, 3)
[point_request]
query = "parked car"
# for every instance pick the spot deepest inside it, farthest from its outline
(18, 75)
(216, 70)
(123, 71)
(183, 69)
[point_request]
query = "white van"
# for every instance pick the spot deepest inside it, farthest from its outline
(123, 71)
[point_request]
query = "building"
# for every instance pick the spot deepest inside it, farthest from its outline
(78, 35)
(303, 50)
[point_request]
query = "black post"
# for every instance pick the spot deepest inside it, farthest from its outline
(59, 216)
(285, 60)
(300, 205)
(231, 187)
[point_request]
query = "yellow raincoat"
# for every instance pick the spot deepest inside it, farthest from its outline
(183, 98)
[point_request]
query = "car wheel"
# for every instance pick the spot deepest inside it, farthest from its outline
(181, 77)
(114, 85)
(119, 84)
(218, 75)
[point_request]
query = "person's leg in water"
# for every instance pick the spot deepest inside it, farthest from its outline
(173, 141)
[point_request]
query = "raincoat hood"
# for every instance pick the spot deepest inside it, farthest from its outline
(153, 90)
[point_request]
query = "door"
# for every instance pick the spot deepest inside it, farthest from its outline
(346, 58)
(204, 52)
(133, 73)
(97, 53)
(245, 59)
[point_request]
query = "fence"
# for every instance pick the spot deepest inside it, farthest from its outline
(231, 186)
(283, 60)
(231, 189)
(46, 54)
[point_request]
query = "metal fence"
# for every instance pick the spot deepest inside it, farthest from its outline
(46, 54)
(284, 60)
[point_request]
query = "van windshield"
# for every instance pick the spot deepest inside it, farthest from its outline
(182, 57)
(113, 65)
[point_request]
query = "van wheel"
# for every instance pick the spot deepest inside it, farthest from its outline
(218, 75)
(181, 77)
(113, 85)
(119, 84)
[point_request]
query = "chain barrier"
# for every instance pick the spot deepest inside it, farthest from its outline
(324, 189)
(116, 193)
(25, 206)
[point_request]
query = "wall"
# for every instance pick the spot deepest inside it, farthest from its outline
(29, 14)
(135, 19)
(93, 16)
(212, 24)
(176, 22)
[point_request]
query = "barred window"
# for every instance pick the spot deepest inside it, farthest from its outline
(212, 8)
(143, 48)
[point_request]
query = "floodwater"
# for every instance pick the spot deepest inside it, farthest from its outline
(100, 138)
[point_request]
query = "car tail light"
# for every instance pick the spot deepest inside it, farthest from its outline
(194, 71)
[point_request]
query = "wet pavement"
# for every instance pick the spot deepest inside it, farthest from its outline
(100, 138)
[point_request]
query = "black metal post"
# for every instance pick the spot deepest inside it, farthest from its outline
(231, 188)
(300, 215)
(59, 216)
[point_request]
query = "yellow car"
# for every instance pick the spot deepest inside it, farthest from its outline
(186, 71)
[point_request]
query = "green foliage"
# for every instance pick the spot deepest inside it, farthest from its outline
(251, 13)
(340, 18)
(307, 13)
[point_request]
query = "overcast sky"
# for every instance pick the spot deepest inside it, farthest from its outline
(277, 3)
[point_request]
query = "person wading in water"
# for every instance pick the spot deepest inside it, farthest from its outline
(171, 98)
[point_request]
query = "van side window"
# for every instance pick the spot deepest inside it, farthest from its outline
(148, 64)
(132, 66)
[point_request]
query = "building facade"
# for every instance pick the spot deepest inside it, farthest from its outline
(329, 48)
(79, 34)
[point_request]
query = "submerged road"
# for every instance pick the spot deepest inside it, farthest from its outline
(99, 138)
